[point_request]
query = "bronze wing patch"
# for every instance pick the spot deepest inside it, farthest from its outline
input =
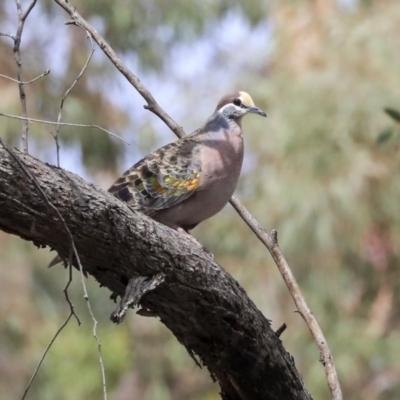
(162, 179)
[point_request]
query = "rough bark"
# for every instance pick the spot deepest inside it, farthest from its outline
(205, 308)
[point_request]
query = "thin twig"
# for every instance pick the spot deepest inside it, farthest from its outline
(41, 121)
(9, 35)
(68, 91)
(27, 82)
(24, 206)
(29, 9)
(22, 16)
(152, 105)
(45, 354)
(75, 253)
(65, 290)
(72, 312)
(269, 241)
(94, 332)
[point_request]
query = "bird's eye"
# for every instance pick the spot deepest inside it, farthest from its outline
(237, 102)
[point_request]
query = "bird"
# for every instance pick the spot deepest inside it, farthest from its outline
(188, 181)
(191, 179)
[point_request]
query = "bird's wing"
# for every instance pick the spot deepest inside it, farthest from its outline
(162, 179)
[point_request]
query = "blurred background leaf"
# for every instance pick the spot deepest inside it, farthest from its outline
(393, 113)
(322, 169)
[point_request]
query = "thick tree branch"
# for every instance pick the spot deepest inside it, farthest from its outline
(205, 308)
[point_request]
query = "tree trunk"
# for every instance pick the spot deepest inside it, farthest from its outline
(205, 308)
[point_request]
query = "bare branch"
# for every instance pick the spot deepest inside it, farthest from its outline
(94, 333)
(27, 82)
(17, 55)
(65, 290)
(75, 253)
(41, 121)
(53, 339)
(9, 35)
(20, 204)
(152, 105)
(29, 9)
(271, 242)
(68, 91)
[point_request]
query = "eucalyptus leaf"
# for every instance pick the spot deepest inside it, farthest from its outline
(393, 113)
(384, 136)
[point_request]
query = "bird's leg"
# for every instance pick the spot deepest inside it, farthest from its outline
(184, 231)
(187, 233)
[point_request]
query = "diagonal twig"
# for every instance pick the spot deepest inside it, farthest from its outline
(73, 252)
(68, 91)
(22, 205)
(22, 16)
(35, 372)
(152, 104)
(271, 243)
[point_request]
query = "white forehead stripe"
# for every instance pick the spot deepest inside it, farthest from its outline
(246, 99)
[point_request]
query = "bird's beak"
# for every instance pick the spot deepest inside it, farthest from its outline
(257, 110)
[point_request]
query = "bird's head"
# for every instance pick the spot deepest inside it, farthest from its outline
(236, 105)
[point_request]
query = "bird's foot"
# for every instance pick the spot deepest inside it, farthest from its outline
(187, 233)
(184, 232)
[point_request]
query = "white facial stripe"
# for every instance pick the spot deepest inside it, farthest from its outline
(229, 105)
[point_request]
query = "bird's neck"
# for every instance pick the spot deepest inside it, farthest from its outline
(219, 125)
(227, 138)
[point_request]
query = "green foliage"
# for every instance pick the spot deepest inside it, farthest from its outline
(393, 113)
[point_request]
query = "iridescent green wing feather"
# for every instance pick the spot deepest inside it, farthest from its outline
(163, 179)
